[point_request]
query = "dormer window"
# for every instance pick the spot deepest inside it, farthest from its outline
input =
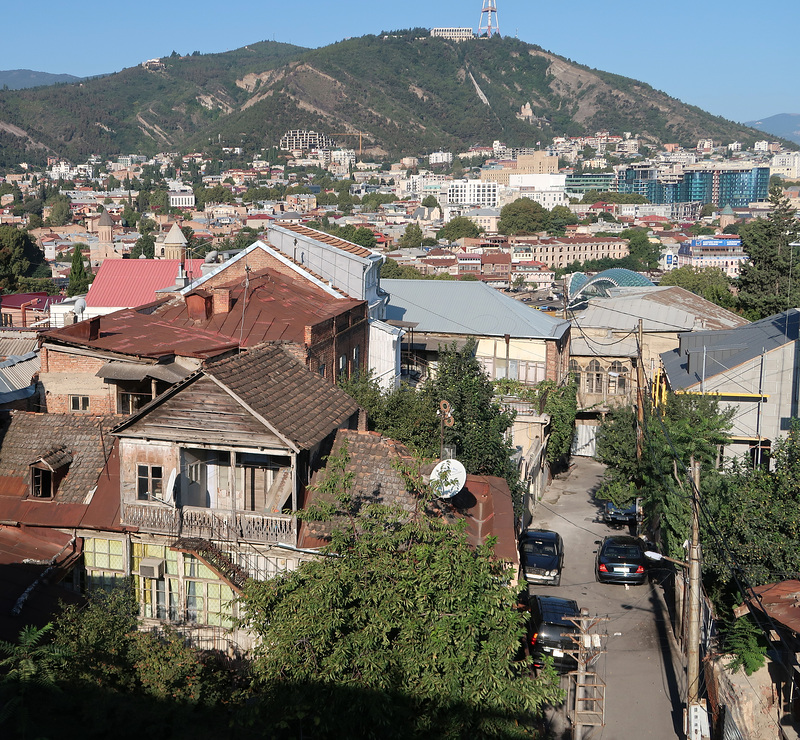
(47, 472)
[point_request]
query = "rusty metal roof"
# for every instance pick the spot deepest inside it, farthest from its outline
(331, 241)
(781, 601)
(271, 307)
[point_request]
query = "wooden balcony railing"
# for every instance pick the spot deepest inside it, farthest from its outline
(190, 521)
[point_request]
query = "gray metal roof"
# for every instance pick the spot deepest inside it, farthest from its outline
(10, 346)
(662, 309)
(466, 307)
(16, 376)
(727, 349)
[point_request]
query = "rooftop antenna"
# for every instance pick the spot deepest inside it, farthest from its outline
(489, 23)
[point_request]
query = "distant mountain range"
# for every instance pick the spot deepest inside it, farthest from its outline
(18, 79)
(785, 125)
(398, 93)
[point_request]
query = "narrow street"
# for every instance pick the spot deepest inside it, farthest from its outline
(643, 667)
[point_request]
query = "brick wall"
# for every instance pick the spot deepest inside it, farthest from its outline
(64, 374)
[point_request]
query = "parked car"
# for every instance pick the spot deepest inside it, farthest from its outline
(621, 515)
(548, 631)
(541, 553)
(621, 559)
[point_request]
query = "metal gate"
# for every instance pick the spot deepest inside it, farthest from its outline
(584, 443)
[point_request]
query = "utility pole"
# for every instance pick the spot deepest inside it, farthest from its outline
(587, 691)
(693, 632)
(639, 393)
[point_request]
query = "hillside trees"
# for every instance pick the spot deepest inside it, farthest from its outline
(400, 630)
(766, 282)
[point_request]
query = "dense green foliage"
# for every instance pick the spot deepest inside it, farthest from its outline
(410, 416)
(709, 282)
(457, 228)
(19, 257)
(402, 616)
(767, 284)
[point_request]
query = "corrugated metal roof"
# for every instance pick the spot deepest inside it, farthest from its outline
(466, 307)
(17, 373)
(332, 241)
(741, 345)
(662, 309)
(170, 373)
(12, 346)
(131, 283)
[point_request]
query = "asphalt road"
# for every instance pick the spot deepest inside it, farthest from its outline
(642, 668)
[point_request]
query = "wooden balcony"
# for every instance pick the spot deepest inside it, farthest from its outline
(190, 521)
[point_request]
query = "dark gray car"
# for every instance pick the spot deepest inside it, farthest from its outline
(541, 555)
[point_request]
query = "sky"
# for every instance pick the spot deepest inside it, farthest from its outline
(724, 57)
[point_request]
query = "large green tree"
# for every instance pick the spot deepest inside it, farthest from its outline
(412, 237)
(401, 629)
(459, 228)
(523, 216)
(642, 250)
(767, 282)
(709, 282)
(19, 257)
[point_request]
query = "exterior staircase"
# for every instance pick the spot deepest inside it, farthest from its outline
(216, 559)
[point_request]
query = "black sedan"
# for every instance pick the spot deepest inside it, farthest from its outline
(621, 559)
(541, 556)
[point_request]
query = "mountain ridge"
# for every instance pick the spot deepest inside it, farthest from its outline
(20, 79)
(404, 92)
(783, 125)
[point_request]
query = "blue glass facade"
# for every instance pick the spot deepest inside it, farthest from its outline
(734, 187)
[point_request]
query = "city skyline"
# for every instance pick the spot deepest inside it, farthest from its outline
(695, 53)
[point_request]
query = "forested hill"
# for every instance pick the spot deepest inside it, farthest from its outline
(406, 92)
(17, 79)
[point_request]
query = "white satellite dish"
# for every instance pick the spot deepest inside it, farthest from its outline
(448, 478)
(80, 306)
(169, 491)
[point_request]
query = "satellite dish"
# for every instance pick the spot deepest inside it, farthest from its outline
(448, 478)
(169, 491)
(80, 306)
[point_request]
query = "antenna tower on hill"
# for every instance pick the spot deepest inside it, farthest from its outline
(488, 24)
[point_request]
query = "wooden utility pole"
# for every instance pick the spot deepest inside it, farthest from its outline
(639, 394)
(587, 691)
(693, 631)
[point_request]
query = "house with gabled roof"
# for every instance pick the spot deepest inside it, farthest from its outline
(211, 474)
(753, 369)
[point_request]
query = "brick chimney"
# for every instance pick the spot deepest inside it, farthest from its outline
(222, 300)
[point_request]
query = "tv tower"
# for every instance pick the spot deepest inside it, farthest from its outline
(488, 24)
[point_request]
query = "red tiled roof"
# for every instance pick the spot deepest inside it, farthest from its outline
(134, 282)
(333, 241)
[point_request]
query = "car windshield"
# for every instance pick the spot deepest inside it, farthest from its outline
(539, 548)
(623, 552)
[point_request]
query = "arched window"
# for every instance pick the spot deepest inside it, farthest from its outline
(594, 377)
(617, 379)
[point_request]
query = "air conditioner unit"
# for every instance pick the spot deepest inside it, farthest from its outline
(151, 568)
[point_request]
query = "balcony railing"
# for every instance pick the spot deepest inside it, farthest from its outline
(190, 521)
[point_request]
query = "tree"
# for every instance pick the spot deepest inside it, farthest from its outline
(558, 219)
(709, 282)
(642, 250)
(145, 245)
(391, 270)
(429, 201)
(60, 212)
(709, 209)
(523, 216)
(400, 629)
(458, 228)
(78, 277)
(766, 281)
(19, 256)
(412, 237)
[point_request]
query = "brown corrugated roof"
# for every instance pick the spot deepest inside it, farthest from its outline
(333, 241)
(300, 405)
(781, 601)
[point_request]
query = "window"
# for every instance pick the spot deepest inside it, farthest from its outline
(322, 370)
(342, 365)
(130, 403)
(594, 378)
(617, 379)
(357, 358)
(79, 404)
(149, 482)
(41, 483)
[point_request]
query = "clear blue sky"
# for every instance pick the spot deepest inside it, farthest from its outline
(726, 57)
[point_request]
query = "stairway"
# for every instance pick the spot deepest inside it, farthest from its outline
(215, 559)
